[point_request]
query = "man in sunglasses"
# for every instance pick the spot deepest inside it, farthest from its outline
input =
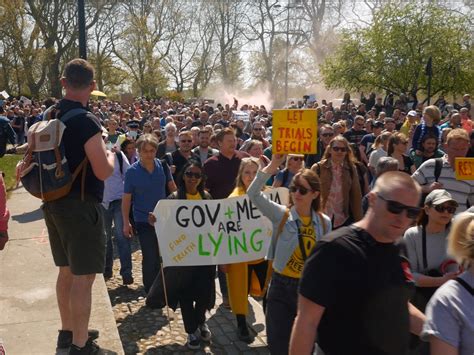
(179, 158)
(258, 131)
(356, 286)
(355, 134)
(326, 133)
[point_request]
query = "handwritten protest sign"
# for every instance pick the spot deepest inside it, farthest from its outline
(212, 232)
(294, 131)
(464, 168)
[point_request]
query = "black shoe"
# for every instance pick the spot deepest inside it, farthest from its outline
(194, 341)
(127, 280)
(243, 334)
(108, 275)
(206, 334)
(65, 337)
(91, 348)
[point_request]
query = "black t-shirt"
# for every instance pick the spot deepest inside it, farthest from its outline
(79, 129)
(364, 286)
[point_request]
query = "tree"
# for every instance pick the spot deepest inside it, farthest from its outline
(391, 54)
(145, 40)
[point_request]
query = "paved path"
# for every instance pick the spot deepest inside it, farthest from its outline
(29, 318)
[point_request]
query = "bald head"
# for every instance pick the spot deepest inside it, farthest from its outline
(393, 181)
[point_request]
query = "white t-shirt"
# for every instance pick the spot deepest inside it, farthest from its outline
(375, 156)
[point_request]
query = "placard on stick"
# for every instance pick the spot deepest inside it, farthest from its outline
(295, 131)
(464, 168)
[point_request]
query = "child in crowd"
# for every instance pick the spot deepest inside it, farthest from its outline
(429, 125)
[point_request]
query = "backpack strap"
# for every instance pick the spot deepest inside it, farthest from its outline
(282, 224)
(423, 247)
(437, 168)
(465, 285)
(83, 165)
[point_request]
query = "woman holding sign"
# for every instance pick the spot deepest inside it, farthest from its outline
(247, 277)
(192, 286)
(296, 229)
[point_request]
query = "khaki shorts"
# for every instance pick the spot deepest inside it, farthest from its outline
(76, 235)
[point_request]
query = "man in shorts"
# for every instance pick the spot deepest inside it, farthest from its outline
(355, 288)
(74, 222)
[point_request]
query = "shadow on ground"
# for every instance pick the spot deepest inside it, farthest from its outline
(28, 216)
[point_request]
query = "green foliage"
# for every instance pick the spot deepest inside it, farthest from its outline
(8, 165)
(391, 54)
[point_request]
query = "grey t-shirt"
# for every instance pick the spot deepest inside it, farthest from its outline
(436, 245)
(450, 315)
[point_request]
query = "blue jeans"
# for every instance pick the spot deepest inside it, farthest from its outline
(114, 214)
(150, 253)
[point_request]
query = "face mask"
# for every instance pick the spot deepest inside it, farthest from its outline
(133, 134)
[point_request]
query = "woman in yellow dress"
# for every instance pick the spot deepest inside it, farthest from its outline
(248, 277)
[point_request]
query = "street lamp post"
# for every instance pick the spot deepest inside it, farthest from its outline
(287, 54)
(287, 50)
(81, 19)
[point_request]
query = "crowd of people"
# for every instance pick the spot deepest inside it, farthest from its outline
(356, 262)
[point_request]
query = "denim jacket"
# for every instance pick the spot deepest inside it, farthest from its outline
(280, 251)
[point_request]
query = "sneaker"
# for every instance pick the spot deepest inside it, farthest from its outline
(65, 337)
(91, 348)
(205, 332)
(194, 342)
(127, 280)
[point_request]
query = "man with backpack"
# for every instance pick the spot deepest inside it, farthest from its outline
(75, 221)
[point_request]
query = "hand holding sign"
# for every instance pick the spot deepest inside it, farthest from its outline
(294, 131)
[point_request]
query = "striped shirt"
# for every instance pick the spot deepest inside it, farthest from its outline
(461, 190)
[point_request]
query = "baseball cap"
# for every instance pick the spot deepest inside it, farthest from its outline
(412, 113)
(377, 124)
(438, 197)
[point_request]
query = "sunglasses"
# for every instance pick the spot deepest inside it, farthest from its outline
(326, 135)
(186, 141)
(339, 149)
(303, 190)
(190, 175)
(258, 129)
(397, 208)
(297, 158)
(443, 208)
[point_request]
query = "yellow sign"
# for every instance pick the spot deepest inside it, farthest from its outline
(464, 168)
(294, 132)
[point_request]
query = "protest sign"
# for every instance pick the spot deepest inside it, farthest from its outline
(464, 168)
(25, 100)
(294, 131)
(126, 99)
(212, 232)
(4, 94)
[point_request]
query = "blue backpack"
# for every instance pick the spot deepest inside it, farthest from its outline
(44, 170)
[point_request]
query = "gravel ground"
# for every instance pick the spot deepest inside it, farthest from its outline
(148, 331)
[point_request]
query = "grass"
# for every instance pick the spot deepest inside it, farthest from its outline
(7, 165)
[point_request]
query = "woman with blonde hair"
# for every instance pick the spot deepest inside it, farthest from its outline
(449, 325)
(294, 163)
(247, 277)
(341, 196)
